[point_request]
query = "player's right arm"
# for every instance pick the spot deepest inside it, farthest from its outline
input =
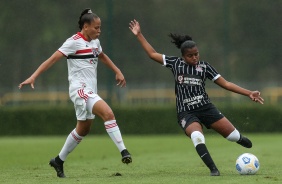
(136, 30)
(43, 67)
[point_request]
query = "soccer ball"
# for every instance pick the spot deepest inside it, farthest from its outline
(247, 163)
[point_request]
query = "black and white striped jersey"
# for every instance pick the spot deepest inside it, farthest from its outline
(190, 82)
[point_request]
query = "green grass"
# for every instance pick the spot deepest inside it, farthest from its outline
(156, 159)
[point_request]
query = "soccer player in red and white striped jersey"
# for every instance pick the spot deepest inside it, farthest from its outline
(83, 50)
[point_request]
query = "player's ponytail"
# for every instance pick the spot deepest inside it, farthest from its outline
(86, 16)
(182, 41)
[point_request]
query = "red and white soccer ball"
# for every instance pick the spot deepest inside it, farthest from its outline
(247, 164)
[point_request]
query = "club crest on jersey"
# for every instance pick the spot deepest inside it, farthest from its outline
(95, 52)
(199, 69)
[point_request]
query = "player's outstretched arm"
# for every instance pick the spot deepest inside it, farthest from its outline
(108, 62)
(44, 66)
(253, 95)
(134, 26)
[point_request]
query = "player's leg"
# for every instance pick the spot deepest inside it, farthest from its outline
(84, 121)
(194, 131)
(228, 131)
(102, 109)
(73, 139)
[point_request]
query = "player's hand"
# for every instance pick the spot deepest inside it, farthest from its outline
(27, 81)
(120, 80)
(134, 27)
(255, 96)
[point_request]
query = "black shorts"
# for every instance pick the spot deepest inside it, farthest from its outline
(206, 115)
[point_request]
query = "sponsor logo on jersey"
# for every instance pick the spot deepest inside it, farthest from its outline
(193, 100)
(190, 80)
(180, 79)
(91, 61)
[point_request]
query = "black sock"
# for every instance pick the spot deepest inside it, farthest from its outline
(205, 156)
(59, 161)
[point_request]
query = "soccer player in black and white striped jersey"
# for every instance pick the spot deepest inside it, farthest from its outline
(193, 105)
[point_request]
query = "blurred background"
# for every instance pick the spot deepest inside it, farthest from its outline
(241, 39)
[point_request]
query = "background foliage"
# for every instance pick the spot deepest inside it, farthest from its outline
(54, 120)
(242, 39)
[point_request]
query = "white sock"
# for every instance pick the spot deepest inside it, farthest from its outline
(234, 136)
(197, 138)
(72, 141)
(114, 132)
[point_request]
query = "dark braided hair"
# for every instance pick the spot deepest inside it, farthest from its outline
(86, 16)
(182, 42)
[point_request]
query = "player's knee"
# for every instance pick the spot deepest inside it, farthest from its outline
(108, 115)
(197, 138)
(82, 131)
(85, 132)
(83, 127)
(233, 136)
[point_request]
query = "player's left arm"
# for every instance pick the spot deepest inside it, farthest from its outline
(108, 62)
(253, 95)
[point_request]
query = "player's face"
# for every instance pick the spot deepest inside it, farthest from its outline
(191, 56)
(93, 30)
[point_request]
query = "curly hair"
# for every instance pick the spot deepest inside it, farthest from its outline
(182, 42)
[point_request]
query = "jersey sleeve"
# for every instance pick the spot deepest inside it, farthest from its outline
(169, 61)
(212, 74)
(68, 47)
(99, 47)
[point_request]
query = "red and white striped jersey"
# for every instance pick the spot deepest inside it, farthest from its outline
(82, 59)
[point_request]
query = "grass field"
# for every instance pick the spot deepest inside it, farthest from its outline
(156, 159)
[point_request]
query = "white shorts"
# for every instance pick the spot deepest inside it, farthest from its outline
(84, 101)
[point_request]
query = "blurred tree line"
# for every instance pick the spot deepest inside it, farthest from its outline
(242, 39)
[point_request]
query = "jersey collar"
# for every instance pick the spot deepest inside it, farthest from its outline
(79, 33)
